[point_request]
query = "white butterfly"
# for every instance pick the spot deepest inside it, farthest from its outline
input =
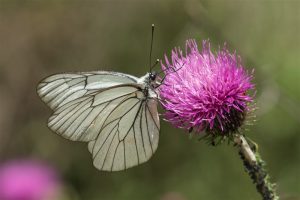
(115, 113)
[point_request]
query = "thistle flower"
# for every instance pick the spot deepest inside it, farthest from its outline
(206, 92)
(27, 180)
(202, 91)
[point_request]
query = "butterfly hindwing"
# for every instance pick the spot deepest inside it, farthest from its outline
(128, 138)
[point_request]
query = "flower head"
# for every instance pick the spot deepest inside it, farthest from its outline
(203, 91)
(27, 180)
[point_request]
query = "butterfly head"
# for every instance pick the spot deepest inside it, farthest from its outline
(150, 80)
(152, 76)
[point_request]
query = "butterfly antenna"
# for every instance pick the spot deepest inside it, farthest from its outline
(156, 62)
(150, 56)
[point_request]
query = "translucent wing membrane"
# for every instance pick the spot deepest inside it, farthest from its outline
(81, 119)
(128, 137)
(60, 89)
(109, 110)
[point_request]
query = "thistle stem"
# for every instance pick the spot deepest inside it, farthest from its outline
(254, 166)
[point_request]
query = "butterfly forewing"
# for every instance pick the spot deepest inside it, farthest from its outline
(106, 109)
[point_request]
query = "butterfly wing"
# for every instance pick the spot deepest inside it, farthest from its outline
(108, 110)
(59, 89)
(128, 137)
(78, 99)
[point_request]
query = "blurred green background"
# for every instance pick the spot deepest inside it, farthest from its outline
(39, 38)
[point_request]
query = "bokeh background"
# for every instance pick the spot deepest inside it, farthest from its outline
(39, 38)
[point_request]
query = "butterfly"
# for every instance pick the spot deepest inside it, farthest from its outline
(115, 113)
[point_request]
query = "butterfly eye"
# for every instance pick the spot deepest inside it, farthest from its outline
(152, 76)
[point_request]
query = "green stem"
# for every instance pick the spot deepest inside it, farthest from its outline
(254, 166)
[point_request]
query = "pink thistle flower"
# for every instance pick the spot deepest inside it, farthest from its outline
(206, 92)
(27, 180)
